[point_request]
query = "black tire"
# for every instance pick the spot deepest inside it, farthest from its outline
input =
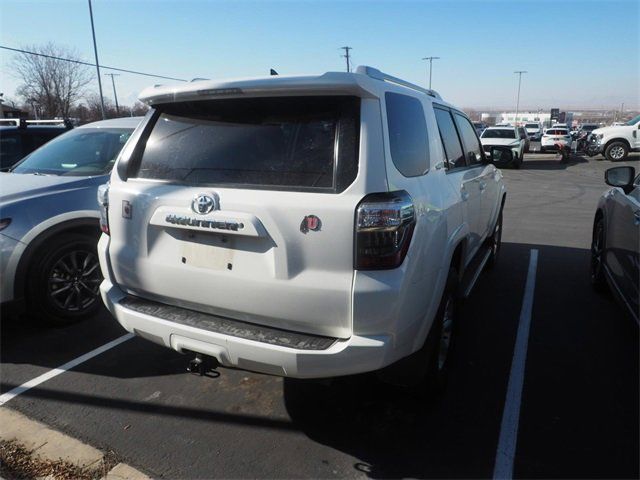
(598, 242)
(495, 242)
(441, 338)
(616, 151)
(517, 163)
(64, 280)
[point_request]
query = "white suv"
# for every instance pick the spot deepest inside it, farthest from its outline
(309, 226)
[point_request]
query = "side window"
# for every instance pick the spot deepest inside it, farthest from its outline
(472, 147)
(450, 140)
(408, 136)
(10, 149)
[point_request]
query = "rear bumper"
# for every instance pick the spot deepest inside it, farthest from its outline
(356, 354)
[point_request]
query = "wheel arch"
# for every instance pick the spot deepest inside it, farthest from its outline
(84, 226)
(617, 139)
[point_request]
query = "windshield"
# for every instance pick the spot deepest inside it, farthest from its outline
(499, 133)
(532, 125)
(80, 152)
(633, 121)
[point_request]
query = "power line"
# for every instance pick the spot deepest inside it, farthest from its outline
(92, 64)
(431, 59)
(346, 55)
(115, 95)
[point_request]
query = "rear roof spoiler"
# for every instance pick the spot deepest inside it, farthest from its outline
(385, 77)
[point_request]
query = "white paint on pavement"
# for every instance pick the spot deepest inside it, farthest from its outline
(503, 468)
(5, 397)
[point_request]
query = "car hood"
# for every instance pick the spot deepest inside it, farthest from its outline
(511, 142)
(19, 186)
(613, 130)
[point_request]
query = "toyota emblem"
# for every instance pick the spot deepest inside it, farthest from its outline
(203, 203)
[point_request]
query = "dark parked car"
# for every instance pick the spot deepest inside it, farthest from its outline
(615, 256)
(18, 141)
(522, 132)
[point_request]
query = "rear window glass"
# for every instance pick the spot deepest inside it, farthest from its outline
(408, 138)
(277, 142)
(557, 131)
(499, 133)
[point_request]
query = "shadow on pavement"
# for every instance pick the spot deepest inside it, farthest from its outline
(552, 164)
(569, 387)
(579, 416)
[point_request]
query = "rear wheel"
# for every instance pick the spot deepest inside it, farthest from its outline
(495, 242)
(64, 280)
(440, 340)
(597, 251)
(616, 151)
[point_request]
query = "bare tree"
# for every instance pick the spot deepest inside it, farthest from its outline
(52, 86)
(139, 109)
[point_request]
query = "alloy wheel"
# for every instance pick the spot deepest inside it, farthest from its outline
(74, 280)
(445, 333)
(616, 153)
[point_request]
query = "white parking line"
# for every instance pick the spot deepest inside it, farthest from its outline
(503, 468)
(5, 397)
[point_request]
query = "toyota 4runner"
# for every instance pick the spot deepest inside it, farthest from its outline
(310, 226)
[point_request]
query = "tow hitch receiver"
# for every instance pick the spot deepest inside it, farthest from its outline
(204, 366)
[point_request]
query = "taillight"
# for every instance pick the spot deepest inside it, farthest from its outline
(103, 202)
(384, 227)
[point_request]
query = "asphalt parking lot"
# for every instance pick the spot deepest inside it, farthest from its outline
(578, 416)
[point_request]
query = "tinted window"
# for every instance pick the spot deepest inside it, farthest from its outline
(499, 133)
(408, 138)
(472, 147)
(10, 148)
(450, 140)
(285, 142)
(80, 152)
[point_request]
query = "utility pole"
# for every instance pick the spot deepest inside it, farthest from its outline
(347, 56)
(431, 59)
(519, 72)
(115, 95)
(95, 50)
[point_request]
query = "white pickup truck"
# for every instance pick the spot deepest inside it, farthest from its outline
(617, 141)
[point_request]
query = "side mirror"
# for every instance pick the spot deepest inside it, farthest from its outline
(620, 177)
(500, 155)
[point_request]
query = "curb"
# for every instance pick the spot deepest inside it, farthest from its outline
(51, 445)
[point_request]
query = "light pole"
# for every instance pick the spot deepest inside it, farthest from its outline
(115, 95)
(519, 72)
(431, 59)
(95, 50)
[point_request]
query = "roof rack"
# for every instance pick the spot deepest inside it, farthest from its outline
(378, 75)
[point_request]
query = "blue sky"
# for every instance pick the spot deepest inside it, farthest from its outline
(578, 53)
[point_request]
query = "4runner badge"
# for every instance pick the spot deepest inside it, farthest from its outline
(310, 223)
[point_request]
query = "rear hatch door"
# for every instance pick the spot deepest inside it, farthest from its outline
(242, 208)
